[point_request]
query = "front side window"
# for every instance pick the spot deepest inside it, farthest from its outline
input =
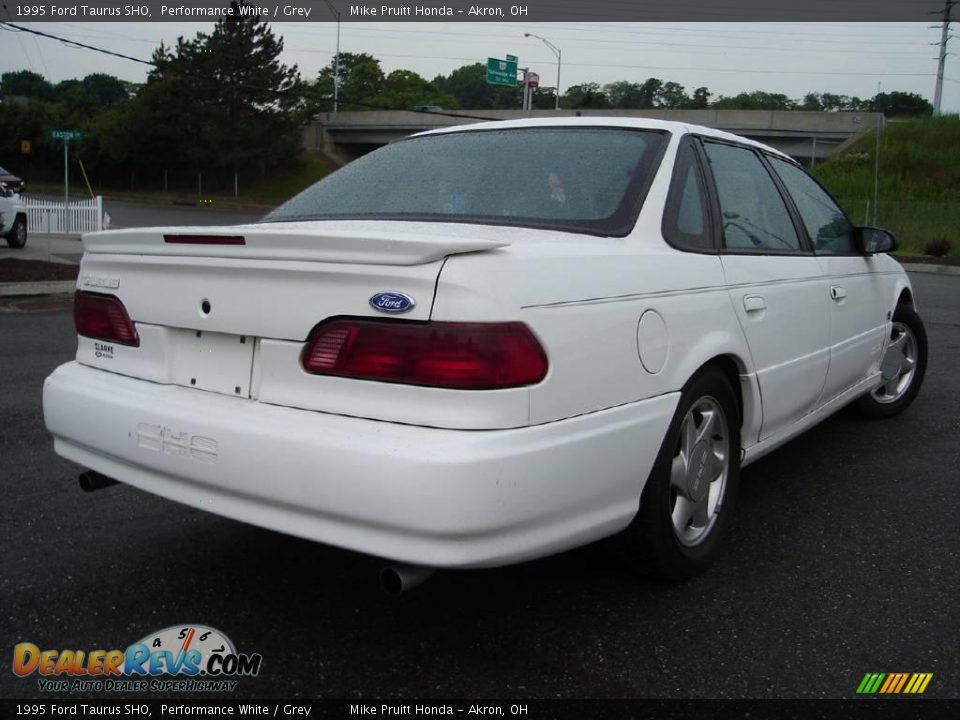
(753, 212)
(579, 179)
(827, 226)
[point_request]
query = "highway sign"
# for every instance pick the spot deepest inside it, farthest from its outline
(502, 72)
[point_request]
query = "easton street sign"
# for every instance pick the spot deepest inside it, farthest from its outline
(66, 135)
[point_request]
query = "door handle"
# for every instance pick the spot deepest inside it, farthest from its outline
(837, 292)
(754, 303)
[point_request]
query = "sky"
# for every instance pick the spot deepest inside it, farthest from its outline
(728, 58)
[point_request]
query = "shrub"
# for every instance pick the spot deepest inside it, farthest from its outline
(938, 247)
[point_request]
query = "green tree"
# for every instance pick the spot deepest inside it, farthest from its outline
(756, 100)
(700, 99)
(650, 93)
(901, 104)
(585, 96)
(27, 120)
(106, 89)
(468, 84)
(831, 102)
(623, 94)
(405, 89)
(545, 99)
(80, 100)
(222, 101)
(26, 84)
(361, 80)
(673, 95)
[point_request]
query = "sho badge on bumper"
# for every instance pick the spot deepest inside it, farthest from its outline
(162, 439)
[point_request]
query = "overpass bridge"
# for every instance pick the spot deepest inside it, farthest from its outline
(806, 136)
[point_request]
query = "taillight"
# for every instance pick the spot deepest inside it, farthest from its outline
(103, 317)
(474, 356)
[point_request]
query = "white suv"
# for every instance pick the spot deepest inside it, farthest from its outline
(13, 218)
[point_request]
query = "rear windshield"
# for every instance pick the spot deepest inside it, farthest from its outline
(579, 179)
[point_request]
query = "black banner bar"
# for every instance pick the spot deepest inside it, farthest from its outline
(872, 709)
(491, 11)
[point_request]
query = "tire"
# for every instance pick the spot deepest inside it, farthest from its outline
(904, 366)
(17, 237)
(681, 549)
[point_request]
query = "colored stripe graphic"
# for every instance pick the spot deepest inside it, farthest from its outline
(870, 683)
(894, 683)
(891, 682)
(903, 679)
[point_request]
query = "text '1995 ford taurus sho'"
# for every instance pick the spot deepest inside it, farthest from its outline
(490, 343)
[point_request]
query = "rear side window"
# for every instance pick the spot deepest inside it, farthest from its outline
(827, 226)
(686, 221)
(578, 178)
(753, 212)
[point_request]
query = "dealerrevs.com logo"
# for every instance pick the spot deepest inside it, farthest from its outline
(187, 658)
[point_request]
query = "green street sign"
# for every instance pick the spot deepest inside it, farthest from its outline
(502, 72)
(66, 135)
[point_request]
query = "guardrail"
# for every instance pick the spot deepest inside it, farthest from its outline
(53, 217)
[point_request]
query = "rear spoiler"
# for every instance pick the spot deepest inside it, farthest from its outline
(270, 242)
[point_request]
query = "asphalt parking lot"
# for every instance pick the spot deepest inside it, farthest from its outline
(844, 559)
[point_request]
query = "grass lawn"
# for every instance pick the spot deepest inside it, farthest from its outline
(919, 189)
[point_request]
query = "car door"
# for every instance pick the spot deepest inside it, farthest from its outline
(774, 282)
(858, 316)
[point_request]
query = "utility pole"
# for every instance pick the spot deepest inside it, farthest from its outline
(66, 185)
(336, 62)
(942, 61)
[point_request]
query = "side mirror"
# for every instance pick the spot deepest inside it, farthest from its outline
(871, 241)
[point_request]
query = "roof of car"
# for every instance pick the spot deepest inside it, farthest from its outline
(678, 128)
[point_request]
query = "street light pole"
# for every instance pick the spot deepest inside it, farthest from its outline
(558, 53)
(336, 62)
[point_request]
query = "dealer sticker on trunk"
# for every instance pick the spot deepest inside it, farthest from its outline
(99, 281)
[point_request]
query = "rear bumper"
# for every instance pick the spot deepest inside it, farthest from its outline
(443, 498)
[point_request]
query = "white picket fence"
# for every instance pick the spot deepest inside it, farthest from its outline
(50, 216)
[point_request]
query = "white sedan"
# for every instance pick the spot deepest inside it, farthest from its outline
(490, 343)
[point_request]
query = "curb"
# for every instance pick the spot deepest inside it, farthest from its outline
(52, 287)
(55, 236)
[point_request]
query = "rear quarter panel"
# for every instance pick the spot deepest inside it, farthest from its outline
(584, 299)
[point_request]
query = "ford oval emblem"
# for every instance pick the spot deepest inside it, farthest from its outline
(392, 302)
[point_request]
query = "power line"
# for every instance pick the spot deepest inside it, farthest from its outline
(74, 43)
(644, 67)
(277, 91)
(581, 34)
(581, 40)
(84, 46)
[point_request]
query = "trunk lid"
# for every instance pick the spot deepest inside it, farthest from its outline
(232, 318)
(280, 282)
